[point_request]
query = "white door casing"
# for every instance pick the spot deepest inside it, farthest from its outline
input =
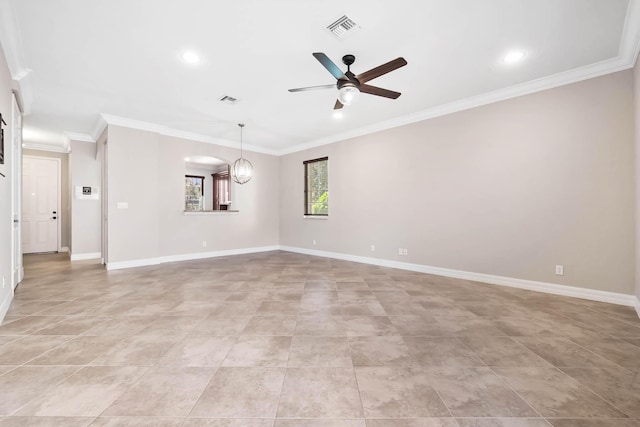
(41, 225)
(16, 197)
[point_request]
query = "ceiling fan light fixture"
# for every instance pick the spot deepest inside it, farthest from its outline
(348, 93)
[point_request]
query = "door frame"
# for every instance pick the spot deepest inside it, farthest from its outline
(59, 186)
(104, 246)
(17, 268)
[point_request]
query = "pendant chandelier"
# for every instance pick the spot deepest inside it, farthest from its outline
(242, 169)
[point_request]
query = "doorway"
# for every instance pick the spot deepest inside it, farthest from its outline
(16, 193)
(41, 227)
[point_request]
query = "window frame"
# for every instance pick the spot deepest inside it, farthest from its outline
(306, 188)
(202, 188)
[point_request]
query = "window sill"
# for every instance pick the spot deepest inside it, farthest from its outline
(325, 217)
(209, 212)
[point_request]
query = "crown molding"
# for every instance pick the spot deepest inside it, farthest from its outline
(14, 54)
(192, 136)
(83, 137)
(630, 39)
(45, 147)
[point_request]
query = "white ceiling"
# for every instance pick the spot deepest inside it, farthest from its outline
(122, 58)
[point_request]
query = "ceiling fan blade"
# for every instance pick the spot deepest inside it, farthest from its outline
(302, 89)
(329, 65)
(374, 90)
(338, 105)
(381, 70)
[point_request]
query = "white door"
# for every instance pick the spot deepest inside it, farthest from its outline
(40, 204)
(16, 250)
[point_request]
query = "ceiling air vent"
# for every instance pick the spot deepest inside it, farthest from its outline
(228, 99)
(343, 27)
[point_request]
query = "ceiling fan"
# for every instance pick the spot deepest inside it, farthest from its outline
(349, 84)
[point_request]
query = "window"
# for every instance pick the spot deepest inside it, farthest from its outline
(316, 187)
(193, 193)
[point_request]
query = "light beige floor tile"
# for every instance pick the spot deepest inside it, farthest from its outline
(78, 351)
(320, 351)
(23, 384)
(137, 422)
(29, 325)
(162, 391)
(398, 392)
(503, 351)
(202, 351)
(46, 421)
(221, 326)
(413, 422)
(365, 326)
(562, 352)
(615, 350)
(171, 325)
(319, 423)
(26, 348)
(122, 326)
(228, 422)
(259, 351)
(380, 351)
(325, 326)
(554, 394)
(139, 350)
(241, 392)
(98, 387)
(320, 393)
(599, 422)
(431, 351)
(477, 392)
(502, 422)
(618, 386)
(271, 325)
(425, 326)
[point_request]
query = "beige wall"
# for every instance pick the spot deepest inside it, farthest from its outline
(85, 218)
(65, 192)
(146, 170)
(509, 189)
(6, 222)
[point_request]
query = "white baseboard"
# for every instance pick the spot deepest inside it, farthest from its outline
(4, 308)
(64, 249)
(81, 257)
(549, 288)
(187, 257)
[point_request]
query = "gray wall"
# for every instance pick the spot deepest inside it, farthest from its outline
(85, 218)
(509, 189)
(146, 170)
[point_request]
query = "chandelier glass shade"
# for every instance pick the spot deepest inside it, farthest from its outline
(242, 169)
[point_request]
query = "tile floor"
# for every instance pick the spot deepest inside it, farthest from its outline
(282, 340)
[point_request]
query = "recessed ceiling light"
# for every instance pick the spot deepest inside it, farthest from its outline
(190, 57)
(338, 114)
(186, 159)
(514, 56)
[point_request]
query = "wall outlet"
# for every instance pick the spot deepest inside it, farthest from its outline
(373, 248)
(314, 242)
(204, 243)
(560, 270)
(399, 251)
(405, 251)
